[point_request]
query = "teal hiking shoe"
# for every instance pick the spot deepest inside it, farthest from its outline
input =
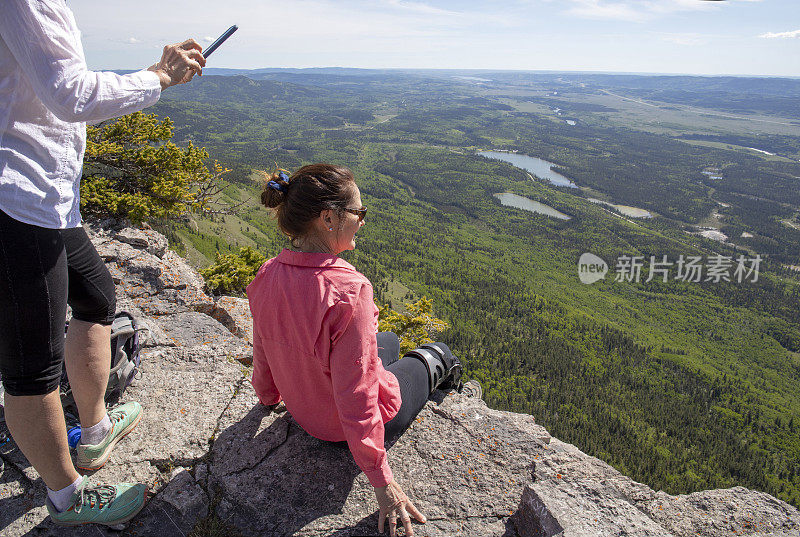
(110, 505)
(124, 419)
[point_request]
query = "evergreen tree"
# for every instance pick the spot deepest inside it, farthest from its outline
(133, 170)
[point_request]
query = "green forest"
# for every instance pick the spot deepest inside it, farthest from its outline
(681, 385)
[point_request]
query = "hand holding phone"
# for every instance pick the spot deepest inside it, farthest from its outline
(179, 63)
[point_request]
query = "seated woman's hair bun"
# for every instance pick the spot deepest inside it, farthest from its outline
(275, 189)
(299, 200)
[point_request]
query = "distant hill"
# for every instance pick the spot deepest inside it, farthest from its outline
(239, 89)
(777, 86)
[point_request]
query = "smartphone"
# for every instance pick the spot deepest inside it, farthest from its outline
(220, 40)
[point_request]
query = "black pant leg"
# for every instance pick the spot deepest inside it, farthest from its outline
(412, 376)
(33, 307)
(388, 348)
(92, 294)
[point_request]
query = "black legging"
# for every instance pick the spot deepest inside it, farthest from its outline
(412, 376)
(41, 271)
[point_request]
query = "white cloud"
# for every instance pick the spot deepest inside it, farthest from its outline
(208, 39)
(133, 41)
(674, 6)
(781, 35)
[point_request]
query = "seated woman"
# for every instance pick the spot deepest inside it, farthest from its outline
(314, 334)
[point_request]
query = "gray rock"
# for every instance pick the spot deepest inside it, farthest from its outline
(585, 497)
(191, 328)
(472, 471)
(534, 517)
(175, 511)
(143, 239)
(156, 285)
(201, 474)
(21, 500)
(182, 274)
(234, 314)
(455, 462)
(212, 455)
(183, 393)
(187, 497)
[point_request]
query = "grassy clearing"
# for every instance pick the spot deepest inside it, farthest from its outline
(398, 294)
(660, 118)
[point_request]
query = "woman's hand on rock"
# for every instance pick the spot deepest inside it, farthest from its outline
(394, 503)
(179, 63)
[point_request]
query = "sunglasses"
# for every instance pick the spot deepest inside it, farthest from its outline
(361, 213)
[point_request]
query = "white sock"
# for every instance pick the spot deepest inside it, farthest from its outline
(91, 436)
(60, 498)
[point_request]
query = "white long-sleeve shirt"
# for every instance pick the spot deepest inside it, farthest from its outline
(47, 95)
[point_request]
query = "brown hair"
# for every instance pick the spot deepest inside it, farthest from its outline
(309, 191)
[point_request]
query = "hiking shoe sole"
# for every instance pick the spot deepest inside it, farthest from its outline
(473, 389)
(124, 419)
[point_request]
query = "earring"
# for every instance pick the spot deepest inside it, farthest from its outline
(330, 229)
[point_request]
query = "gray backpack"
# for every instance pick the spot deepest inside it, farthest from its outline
(126, 344)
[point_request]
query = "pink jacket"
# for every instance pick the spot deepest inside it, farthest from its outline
(314, 346)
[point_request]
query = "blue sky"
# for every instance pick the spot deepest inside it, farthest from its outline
(755, 37)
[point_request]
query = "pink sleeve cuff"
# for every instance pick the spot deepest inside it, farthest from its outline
(380, 477)
(269, 402)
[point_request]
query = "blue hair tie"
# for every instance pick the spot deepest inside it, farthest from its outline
(274, 185)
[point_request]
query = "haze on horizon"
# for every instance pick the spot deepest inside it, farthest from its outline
(735, 37)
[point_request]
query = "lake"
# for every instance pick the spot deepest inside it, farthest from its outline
(761, 151)
(538, 167)
(513, 200)
(543, 169)
(472, 78)
(627, 210)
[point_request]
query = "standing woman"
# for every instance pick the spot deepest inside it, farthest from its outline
(314, 334)
(47, 94)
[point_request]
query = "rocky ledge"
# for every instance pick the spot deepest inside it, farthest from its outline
(218, 463)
